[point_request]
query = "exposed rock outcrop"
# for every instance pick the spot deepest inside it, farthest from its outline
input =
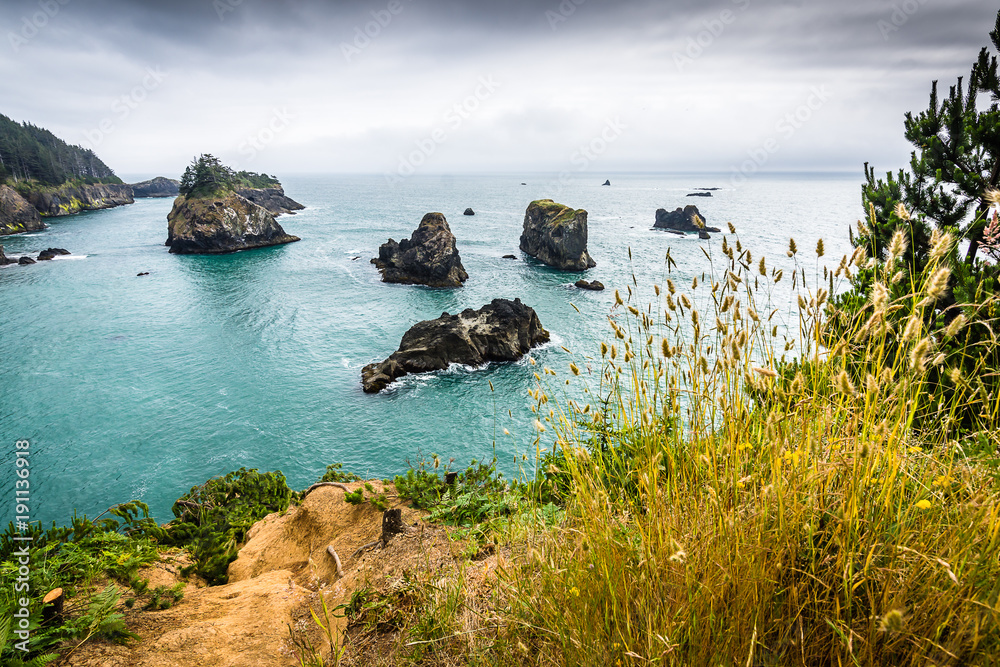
(70, 199)
(273, 199)
(221, 224)
(502, 330)
(161, 186)
(16, 213)
(699, 194)
(594, 285)
(607, 182)
(429, 257)
(4, 261)
(682, 220)
(51, 253)
(556, 235)
(469, 211)
(24, 260)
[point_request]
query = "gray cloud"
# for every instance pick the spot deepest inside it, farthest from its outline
(700, 85)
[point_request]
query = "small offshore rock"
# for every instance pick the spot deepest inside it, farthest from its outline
(429, 257)
(502, 330)
(702, 234)
(24, 260)
(699, 194)
(594, 285)
(4, 260)
(51, 253)
(682, 220)
(142, 273)
(607, 182)
(508, 257)
(556, 235)
(469, 211)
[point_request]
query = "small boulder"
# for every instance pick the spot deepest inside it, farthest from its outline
(469, 211)
(24, 260)
(556, 235)
(702, 234)
(508, 257)
(594, 285)
(429, 257)
(502, 330)
(607, 182)
(142, 273)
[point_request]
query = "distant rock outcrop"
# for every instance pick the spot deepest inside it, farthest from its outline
(594, 285)
(70, 199)
(16, 213)
(161, 186)
(469, 211)
(699, 194)
(682, 220)
(502, 330)
(226, 223)
(273, 199)
(556, 235)
(429, 257)
(607, 182)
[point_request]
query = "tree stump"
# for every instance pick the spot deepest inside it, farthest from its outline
(52, 606)
(392, 524)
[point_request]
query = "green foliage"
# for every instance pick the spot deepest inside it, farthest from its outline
(213, 518)
(30, 153)
(73, 558)
(206, 176)
(915, 222)
(335, 473)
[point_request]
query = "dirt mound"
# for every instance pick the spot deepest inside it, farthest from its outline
(283, 571)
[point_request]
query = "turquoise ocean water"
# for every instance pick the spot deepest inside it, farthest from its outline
(141, 387)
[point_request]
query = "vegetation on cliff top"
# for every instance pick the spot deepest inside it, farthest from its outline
(206, 176)
(33, 154)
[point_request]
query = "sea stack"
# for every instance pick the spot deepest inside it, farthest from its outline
(687, 219)
(220, 224)
(161, 186)
(556, 235)
(502, 330)
(429, 257)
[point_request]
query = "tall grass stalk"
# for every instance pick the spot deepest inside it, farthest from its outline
(740, 495)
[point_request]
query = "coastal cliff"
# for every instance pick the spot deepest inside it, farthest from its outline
(54, 201)
(16, 214)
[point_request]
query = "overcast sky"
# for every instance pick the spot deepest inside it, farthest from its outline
(436, 86)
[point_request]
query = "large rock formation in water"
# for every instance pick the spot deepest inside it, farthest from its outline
(502, 330)
(70, 199)
(161, 186)
(556, 235)
(225, 223)
(429, 257)
(273, 199)
(682, 220)
(17, 214)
